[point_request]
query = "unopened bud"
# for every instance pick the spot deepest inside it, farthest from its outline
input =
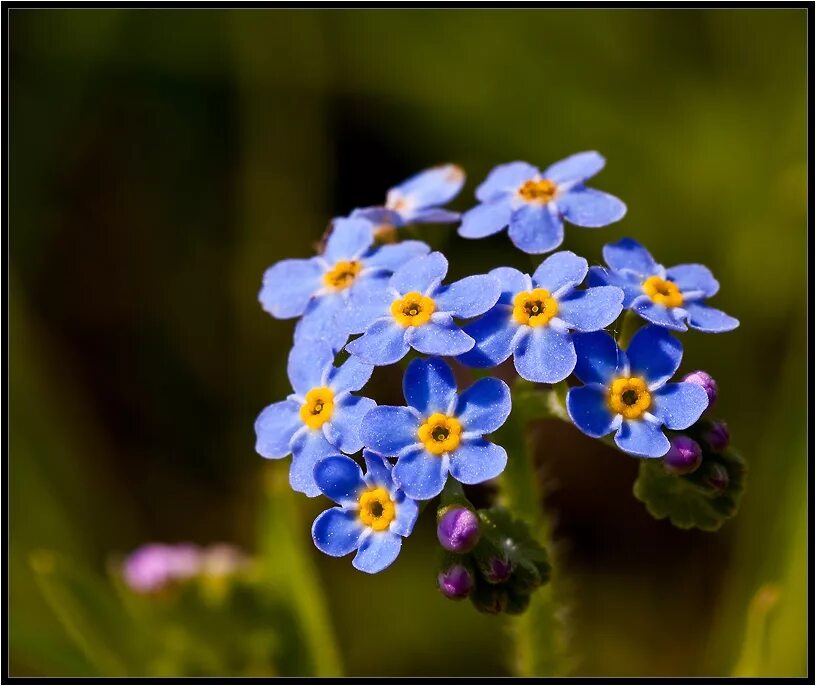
(490, 599)
(498, 569)
(708, 384)
(458, 530)
(717, 478)
(717, 437)
(456, 582)
(684, 456)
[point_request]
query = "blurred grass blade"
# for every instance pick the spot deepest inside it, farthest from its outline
(754, 649)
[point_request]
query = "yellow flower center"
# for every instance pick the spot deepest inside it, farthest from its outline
(342, 275)
(534, 308)
(385, 234)
(542, 190)
(413, 309)
(440, 433)
(629, 397)
(318, 408)
(663, 292)
(377, 509)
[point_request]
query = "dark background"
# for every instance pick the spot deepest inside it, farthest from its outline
(160, 160)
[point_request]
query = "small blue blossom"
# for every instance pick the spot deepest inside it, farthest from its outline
(627, 391)
(373, 514)
(440, 432)
(416, 311)
(671, 297)
(336, 291)
(534, 204)
(320, 418)
(535, 318)
(418, 199)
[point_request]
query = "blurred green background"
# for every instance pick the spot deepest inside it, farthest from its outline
(160, 160)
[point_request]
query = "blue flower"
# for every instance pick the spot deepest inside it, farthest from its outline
(440, 432)
(336, 291)
(320, 418)
(534, 204)
(627, 391)
(373, 517)
(535, 318)
(418, 199)
(667, 297)
(419, 312)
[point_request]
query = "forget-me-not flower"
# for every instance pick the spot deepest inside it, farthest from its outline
(671, 297)
(335, 292)
(440, 432)
(417, 312)
(535, 318)
(534, 204)
(320, 418)
(627, 391)
(373, 514)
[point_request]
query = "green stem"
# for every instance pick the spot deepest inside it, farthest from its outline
(629, 325)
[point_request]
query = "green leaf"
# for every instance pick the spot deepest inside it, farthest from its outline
(693, 501)
(513, 538)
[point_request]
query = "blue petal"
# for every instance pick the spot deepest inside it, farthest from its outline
(578, 167)
(535, 229)
(368, 300)
(599, 358)
(654, 354)
(352, 375)
(642, 438)
(660, 315)
(468, 297)
(434, 186)
(326, 319)
(440, 338)
(309, 365)
(420, 274)
(388, 429)
(494, 335)
(694, 277)
(337, 532)
(590, 208)
(378, 215)
(407, 513)
(392, 257)
(486, 219)
(560, 271)
(545, 355)
(679, 405)
(505, 179)
(592, 309)
(708, 319)
(588, 410)
(275, 427)
(339, 478)
(627, 253)
(349, 239)
(384, 342)
(429, 386)
(628, 281)
(511, 280)
(288, 286)
(377, 551)
(343, 430)
(378, 470)
(484, 406)
(421, 475)
(475, 461)
(308, 447)
(434, 215)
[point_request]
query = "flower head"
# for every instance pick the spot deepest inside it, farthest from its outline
(535, 318)
(338, 291)
(672, 298)
(156, 565)
(418, 200)
(419, 312)
(627, 391)
(320, 418)
(440, 432)
(534, 204)
(372, 516)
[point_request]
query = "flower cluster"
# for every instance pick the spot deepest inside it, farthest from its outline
(372, 297)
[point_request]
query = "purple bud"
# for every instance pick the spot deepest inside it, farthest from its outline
(458, 530)
(717, 478)
(708, 384)
(456, 582)
(498, 569)
(717, 437)
(684, 456)
(155, 565)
